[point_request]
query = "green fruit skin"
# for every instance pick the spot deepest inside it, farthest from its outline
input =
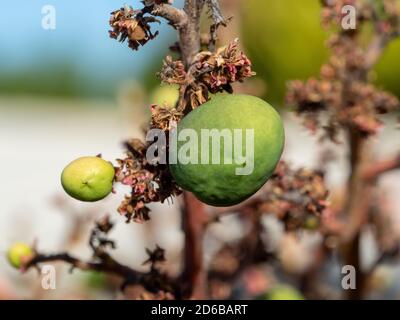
(88, 179)
(217, 184)
(17, 252)
(311, 223)
(165, 95)
(284, 292)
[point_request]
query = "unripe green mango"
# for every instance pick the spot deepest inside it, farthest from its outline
(165, 95)
(284, 292)
(88, 178)
(227, 183)
(17, 253)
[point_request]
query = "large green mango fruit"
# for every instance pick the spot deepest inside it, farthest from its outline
(256, 133)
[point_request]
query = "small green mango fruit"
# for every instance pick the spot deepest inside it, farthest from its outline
(284, 292)
(19, 252)
(165, 95)
(88, 178)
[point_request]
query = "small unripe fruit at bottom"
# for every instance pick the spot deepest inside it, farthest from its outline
(19, 253)
(219, 184)
(284, 292)
(311, 223)
(88, 178)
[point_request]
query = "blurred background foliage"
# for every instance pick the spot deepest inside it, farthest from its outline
(285, 41)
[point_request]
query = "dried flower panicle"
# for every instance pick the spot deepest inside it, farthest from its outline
(155, 256)
(211, 72)
(219, 69)
(104, 224)
(173, 72)
(294, 195)
(130, 24)
(164, 117)
(343, 90)
(148, 182)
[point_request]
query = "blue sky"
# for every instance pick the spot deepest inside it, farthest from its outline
(80, 38)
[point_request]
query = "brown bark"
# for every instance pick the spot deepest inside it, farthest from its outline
(194, 219)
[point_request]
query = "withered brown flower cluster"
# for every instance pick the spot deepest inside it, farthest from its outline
(295, 196)
(343, 91)
(218, 70)
(211, 72)
(164, 117)
(148, 182)
(173, 72)
(130, 24)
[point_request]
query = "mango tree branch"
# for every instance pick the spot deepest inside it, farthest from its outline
(374, 170)
(189, 34)
(102, 261)
(194, 220)
(375, 49)
(176, 17)
(107, 265)
(194, 216)
(151, 281)
(186, 21)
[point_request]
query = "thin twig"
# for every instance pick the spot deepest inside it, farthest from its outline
(376, 169)
(176, 17)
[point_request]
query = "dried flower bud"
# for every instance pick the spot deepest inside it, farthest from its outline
(173, 72)
(163, 117)
(127, 23)
(220, 69)
(295, 195)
